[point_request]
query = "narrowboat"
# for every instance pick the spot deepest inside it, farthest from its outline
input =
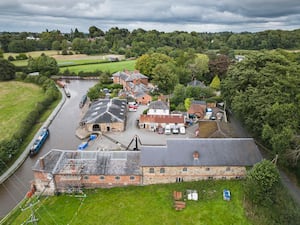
(38, 143)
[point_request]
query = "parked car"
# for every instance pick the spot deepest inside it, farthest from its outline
(175, 130)
(182, 130)
(167, 129)
(160, 130)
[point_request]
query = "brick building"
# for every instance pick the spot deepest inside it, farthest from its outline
(179, 160)
(105, 115)
(135, 85)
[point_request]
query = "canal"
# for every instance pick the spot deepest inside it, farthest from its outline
(62, 136)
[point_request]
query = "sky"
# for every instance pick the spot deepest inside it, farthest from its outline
(161, 15)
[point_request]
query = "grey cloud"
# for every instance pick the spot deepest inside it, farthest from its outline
(168, 14)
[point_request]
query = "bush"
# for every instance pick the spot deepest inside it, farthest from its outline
(8, 70)
(21, 56)
(11, 58)
(262, 182)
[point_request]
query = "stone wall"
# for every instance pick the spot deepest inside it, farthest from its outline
(106, 127)
(178, 174)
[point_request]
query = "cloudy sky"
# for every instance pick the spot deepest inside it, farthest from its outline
(162, 15)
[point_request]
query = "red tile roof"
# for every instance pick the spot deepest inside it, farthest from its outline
(161, 119)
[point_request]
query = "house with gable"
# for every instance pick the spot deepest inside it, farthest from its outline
(105, 115)
(134, 84)
(158, 108)
(158, 116)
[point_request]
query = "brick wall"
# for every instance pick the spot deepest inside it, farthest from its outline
(175, 174)
(44, 183)
(64, 182)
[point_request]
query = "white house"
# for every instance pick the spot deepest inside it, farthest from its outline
(158, 108)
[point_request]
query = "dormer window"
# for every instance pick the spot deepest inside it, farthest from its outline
(196, 155)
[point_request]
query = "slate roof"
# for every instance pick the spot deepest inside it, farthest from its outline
(212, 151)
(158, 105)
(106, 111)
(90, 162)
(129, 76)
(197, 83)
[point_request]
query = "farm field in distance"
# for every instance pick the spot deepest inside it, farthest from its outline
(17, 99)
(110, 67)
(80, 62)
(146, 205)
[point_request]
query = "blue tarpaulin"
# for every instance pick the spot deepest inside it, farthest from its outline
(93, 137)
(83, 145)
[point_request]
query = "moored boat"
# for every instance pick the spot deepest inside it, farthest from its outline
(38, 143)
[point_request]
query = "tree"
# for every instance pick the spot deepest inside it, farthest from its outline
(147, 62)
(215, 83)
(56, 45)
(199, 66)
(7, 70)
(95, 32)
(44, 64)
(219, 65)
(262, 182)
(263, 92)
(187, 103)
(165, 78)
(178, 94)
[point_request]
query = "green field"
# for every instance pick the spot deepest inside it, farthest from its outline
(147, 205)
(17, 99)
(111, 67)
(67, 62)
(32, 54)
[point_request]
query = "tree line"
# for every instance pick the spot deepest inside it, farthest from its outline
(137, 42)
(263, 91)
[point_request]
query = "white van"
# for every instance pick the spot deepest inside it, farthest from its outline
(182, 130)
(168, 129)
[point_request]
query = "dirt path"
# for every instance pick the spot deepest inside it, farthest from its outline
(239, 131)
(293, 189)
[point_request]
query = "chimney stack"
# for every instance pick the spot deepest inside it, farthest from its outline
(196, 155)
(42, 163)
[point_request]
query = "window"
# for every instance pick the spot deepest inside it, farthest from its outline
(117, 178)
(207, 169)
(184, 169)
(86, 177)
(102, 177)
(227, 168)
(151, 170)
(162, 170)
(132, 178)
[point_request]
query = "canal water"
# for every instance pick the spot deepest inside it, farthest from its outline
(62, 136)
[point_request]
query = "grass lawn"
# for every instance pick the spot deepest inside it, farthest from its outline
(17, 99)
(145, 205)
(111, 67)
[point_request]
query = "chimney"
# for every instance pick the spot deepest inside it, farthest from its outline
(42, 163)
(195, 155)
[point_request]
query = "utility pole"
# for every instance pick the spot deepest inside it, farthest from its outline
(225, 114)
